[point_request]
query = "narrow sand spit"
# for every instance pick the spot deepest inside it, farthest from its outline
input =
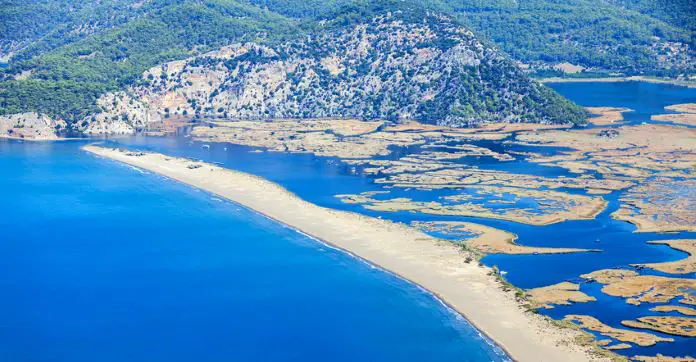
(436, 265)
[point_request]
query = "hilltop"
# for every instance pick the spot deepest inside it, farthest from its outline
(396, 66)
(549, 37)
(388, 60)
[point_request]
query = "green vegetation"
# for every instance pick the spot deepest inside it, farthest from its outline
(609, 35)
(32, 27)
(589, 33)
(679, 13)
(64, 54)
(67, 81)
(360, 64)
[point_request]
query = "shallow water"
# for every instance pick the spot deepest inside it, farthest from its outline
(103, 262)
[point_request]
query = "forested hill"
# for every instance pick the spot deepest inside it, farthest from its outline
(630, 37)
(63, 56)
(475, 82)
(395, 65)
(67, 81)
(32, 27)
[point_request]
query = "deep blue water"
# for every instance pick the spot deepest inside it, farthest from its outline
(102, 262)
(645, 99)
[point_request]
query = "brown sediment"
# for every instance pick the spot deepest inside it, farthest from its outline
(675, 308)
(660, 205)
(553, 206)
(688, 119)
(465, 150)
(166, 126)
(624, 335)
(437, 266)
(561, 294)
(683, 108)
(605, 116)
(643, 288)
(487, 240)
(633, 151)
(485, 128)
(683, 266)
(618, 346)
(354, 139)
(458, 176)
(337, 138)
(678, 326)
(686, 115)
(634, 154)
(662, 358)
(604, 342)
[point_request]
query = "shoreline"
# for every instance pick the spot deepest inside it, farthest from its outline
(432, 264)
(634, 78)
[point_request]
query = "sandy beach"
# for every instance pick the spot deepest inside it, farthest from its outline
(436, 265)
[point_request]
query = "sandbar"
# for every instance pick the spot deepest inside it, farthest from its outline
(678, 326)
(436, 265)
(675, 308)
(563, 293)
(606, 116)
(639, 289)
(488, 240)
(624, 335)
(683, 266)
(662, 358)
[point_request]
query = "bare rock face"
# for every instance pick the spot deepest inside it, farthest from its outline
(30, 126)
(389, 67)
(121, 114)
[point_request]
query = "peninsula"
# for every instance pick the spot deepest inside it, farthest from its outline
(434, 264)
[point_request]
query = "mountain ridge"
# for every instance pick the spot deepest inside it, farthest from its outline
(389, 68)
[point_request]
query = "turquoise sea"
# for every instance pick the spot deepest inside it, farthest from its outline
(104, 262)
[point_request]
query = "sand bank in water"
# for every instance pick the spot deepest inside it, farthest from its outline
(487, 240)
(436, 265)
(563, 293)
(683, 266)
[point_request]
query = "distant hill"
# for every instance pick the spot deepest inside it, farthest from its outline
(66, 82)
(30, 28)
(627, 36)
(65, 55)
(400, 65)
(679, 13)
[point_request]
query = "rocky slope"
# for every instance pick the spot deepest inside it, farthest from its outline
(389, 67)
(30, 126)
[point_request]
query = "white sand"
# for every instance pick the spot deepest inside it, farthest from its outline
(434, 264)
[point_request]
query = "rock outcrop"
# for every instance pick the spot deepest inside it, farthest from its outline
(121, 115)
(390, 67)
(30, 126)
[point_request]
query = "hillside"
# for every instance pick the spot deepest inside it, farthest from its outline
(679, 13)
(355, 63)
(32, 27)
(388, 67)
(67, 81)
(626, 36)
